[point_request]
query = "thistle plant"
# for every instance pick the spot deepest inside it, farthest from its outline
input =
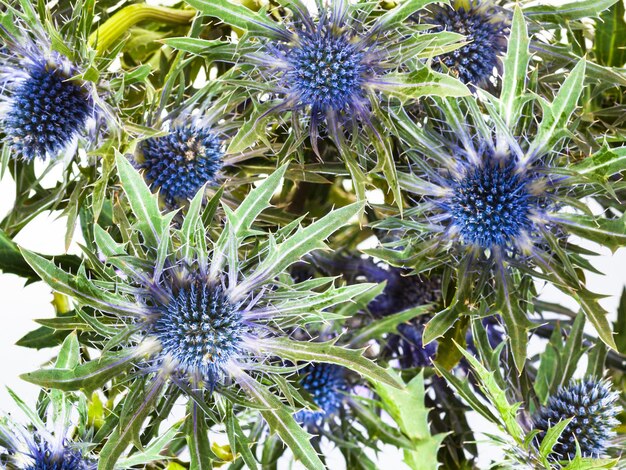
(179, 163)
(195, 319)
(485, 30)
(329, 72)
(315, 232)
(496, 197)
(328, 385)
(58, 435)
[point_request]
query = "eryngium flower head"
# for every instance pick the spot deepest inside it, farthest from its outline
(200, 328)
(44, 107)
(591, 404)
(27, 449)
(324, 66)
(180, 162)
(327, 384)
(485, 32)
(326, 70)
(491, 202)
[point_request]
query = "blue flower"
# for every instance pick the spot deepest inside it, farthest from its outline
(45, 107)
(200, 328)
(490, 202)
(591, 404)
(327, 384)
(485, 32)
(28, 449)
(180, 163)
(333, 67)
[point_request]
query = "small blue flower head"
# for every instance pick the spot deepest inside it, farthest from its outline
(44, 107)
(200, 329)
(490, 202)
(26, 449)
(485, 32)
(327, 67)
(592, 406)
(327, 384)
(179, 163)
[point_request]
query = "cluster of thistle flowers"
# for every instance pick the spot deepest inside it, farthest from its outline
(186, 314)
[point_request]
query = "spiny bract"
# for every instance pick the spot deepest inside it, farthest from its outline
(179, 163)
(43, 458)
(591, 405)
(47, 111)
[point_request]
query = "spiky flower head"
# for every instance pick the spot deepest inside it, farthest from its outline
(29, 449)
(45, 105)
(179, 163)
(328, 385)
(495, 196)
(486, 36)
(591, 405)
(335, 65)
(199, 328)
(199, 313)
(491, 202)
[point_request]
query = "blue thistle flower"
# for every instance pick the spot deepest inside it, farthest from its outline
(592, 406)
(327, 384)
(181, 162)
(326, 70)
(333, 67)
(490, 202)
(200, 328)
(485, 32)
(39, 450)
(44, 107)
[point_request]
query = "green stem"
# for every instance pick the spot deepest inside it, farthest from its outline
(123, 20)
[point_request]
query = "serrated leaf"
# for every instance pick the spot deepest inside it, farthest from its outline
(144, 204)
(280, 421)
(607, 232)
(515, 319)
(402, 11)
(89, 376)
(550, 440)
(192, 45)
(514, 69)
(568, 11)
(610, 39)
(329, 353)
(497, 396)
(407, 407)
(602, 164)
(556, 115)
(296, 246)
(422, 82)
(79, 287)
(240, 16)
(122, 436)
(388, 324)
